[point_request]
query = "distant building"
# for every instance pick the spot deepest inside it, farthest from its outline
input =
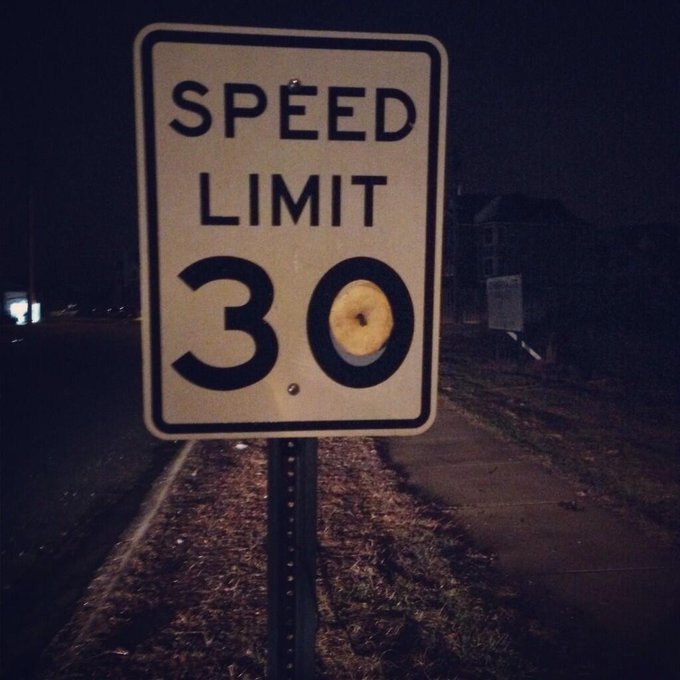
(556, 253)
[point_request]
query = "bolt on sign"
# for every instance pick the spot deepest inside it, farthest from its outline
(290, 209)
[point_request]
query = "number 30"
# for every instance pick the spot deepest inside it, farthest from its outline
(250, 319)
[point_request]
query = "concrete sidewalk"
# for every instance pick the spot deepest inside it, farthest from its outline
(566, 552)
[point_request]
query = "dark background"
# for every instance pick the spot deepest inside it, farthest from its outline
(569, 100)
(562, 99)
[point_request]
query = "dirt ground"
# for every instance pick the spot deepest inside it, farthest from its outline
(401, 593)
(620, 438)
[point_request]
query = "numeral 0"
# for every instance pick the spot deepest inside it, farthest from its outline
(250, 319)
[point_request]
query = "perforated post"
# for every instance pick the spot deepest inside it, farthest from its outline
(291, 567)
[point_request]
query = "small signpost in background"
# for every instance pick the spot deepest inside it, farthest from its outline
(505, 308)
(290, 188)
(504, 303)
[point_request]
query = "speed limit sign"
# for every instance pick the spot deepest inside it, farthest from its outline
(290, 209)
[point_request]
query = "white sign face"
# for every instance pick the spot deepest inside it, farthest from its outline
(504, 303)
(282, 175)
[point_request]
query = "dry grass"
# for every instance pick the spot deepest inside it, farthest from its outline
(620, 438)
(400, 592)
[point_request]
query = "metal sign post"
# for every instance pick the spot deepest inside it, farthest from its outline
(291, 558)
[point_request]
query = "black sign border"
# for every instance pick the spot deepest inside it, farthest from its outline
(297, 41)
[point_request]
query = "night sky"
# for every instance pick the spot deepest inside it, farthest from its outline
(577, 101)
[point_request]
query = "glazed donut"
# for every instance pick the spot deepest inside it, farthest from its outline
(361, 318)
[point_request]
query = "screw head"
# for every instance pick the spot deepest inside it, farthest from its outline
(293, 389)
(294, 84)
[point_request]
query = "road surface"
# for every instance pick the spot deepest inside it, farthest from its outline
(76, 462)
